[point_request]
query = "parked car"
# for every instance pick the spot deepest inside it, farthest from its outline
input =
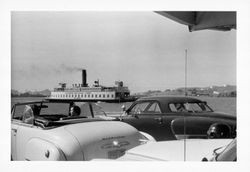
(173, 150)
(43, 130)
(225, 153)
(170, 118)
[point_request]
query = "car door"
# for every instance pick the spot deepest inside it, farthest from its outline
(147, 116)
(17, 123)
(188, 123)
(14, 128)
(16, 120)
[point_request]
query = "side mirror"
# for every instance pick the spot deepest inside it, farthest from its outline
(123, 108)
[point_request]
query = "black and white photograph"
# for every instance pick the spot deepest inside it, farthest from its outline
(123, 85)
(152, 87)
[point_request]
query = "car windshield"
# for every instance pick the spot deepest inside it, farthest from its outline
(54, 108)
(57, 109)
(41, 109)
(63, 108)
(190, 107)
(52, 114)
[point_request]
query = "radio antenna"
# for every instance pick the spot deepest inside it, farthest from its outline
(185, 95)
(185, 72)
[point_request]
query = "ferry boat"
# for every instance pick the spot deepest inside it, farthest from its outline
(82, 92)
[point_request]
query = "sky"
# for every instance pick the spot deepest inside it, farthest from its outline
(143, 49)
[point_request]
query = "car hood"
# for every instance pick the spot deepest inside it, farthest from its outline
(196, 149)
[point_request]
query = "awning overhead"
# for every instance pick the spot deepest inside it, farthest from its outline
(223, 21)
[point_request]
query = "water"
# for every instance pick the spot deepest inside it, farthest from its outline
(218, 104)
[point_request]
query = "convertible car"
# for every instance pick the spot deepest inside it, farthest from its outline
(171, 118)
(43, 130)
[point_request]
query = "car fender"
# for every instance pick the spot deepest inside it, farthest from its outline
(146, 137)
(38, 149)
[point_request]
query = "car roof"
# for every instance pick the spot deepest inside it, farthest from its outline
(172, 99)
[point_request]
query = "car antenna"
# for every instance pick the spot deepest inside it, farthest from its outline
(185, 72)
(185, 95)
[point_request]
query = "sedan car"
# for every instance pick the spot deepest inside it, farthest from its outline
(43, 130)
(170, 118)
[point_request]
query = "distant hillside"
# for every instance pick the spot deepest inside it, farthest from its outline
(43, 93)
(215, 91)
(218, 91)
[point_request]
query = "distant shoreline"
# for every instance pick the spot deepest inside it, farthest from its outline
(28, 95)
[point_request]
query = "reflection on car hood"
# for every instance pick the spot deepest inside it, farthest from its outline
(196, 149)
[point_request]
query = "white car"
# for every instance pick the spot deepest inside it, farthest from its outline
(43, 130)
(176, 150)
(226, 153)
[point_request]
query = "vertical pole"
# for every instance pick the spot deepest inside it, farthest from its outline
(184, 114)
(185, 72)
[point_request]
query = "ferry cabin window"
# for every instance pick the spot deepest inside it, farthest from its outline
(108, 95)
(112, 95)
(92, 95)
(103, 95)
(100, 95)
(96, 95)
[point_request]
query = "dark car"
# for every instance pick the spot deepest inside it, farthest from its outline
(170, 118)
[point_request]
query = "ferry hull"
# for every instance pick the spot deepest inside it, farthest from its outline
(130, 99)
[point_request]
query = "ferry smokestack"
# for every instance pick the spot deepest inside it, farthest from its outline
(84, 78)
